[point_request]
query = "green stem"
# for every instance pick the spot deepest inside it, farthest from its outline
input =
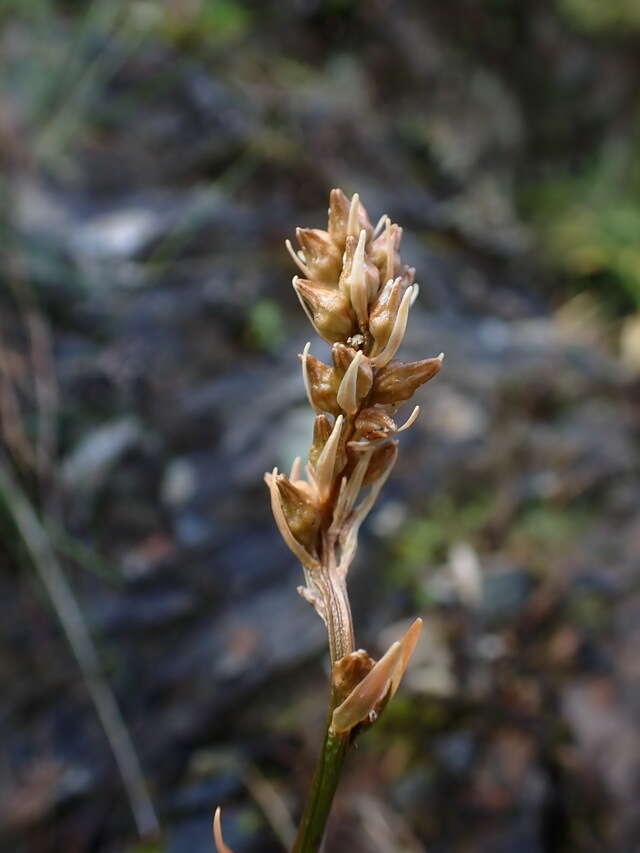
(323, 787)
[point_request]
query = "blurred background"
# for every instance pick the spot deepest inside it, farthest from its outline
(155, 660)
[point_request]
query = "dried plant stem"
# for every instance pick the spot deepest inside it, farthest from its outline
(36, 540)
(335, 746)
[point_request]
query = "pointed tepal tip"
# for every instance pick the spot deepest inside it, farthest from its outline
(441, 356)
(379, 686)
(221, 847)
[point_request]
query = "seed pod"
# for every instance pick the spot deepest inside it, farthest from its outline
(338, 217)
(397, 381)
(380, 461)
(321, 431)
(327, 309)
(373, 424)
(299, 510)
(346, 217)
(349, 671)
(342, 356)
(322, 258)
(323, 384)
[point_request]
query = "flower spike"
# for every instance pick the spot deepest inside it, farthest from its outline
(357, 293)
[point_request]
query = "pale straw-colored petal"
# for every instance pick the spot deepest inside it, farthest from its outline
(408, 644)
(350, 489)
(350, 542)
(295, 469)
(410, 420)
(327, 461)
(297, 259)
(390, 250)
(355, 480)
(347, 396)
(306, 310)
(357, 284)
(299, 550)
(221, 847)
(397, 333)
(354, 211)
(416, 291)
(381, 223)
(305, 376)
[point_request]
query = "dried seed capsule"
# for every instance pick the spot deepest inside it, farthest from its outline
(342, 356)
(327, 309)
(322, 258)
(374, 423)
(397, 381)
(380, 460)
(346, 217)
(299, 510)
(322, 427)
(338, 217)
(349, 671)
(323, 384)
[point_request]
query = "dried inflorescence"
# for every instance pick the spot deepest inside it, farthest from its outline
(357, 294)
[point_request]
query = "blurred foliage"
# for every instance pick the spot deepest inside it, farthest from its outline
(535, 534)
(265, 327)
(424, 540)
(589, 224)
(596, 15)
(197, 22)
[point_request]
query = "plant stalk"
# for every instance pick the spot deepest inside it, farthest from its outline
(323, 787)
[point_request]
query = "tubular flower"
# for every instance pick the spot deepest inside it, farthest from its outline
(357, 294)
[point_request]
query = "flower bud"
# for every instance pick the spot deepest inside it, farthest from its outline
(327, 309)
(322, 258)
(323, 384)
(380, 461)
(397, 381)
